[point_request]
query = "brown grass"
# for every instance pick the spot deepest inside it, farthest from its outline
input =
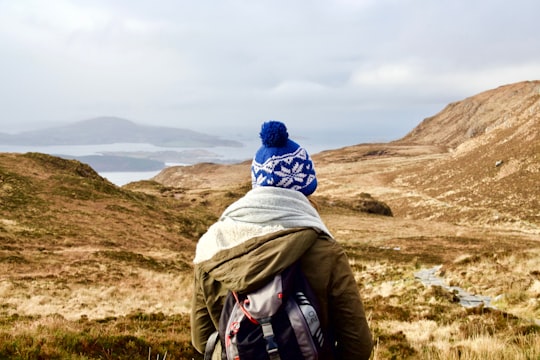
(89, 270)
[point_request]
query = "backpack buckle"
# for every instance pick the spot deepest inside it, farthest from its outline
(268, 334)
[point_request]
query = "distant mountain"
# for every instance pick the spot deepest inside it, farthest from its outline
(110, 130)
(107, 163)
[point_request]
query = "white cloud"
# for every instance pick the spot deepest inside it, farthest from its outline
(383, 75)
(297, 89)
(245, 60)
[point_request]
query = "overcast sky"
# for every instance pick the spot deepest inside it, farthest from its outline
(371, 69)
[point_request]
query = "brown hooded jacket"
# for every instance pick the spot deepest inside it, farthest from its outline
(252, 263)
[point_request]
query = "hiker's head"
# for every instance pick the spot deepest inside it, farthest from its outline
(281, 162)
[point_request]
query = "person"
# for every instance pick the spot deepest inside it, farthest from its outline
(272, 226)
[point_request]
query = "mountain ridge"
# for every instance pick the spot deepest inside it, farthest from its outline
(510, 105)
(109, 130)
(494, 154)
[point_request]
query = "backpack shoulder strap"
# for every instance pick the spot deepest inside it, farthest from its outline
(211, 345)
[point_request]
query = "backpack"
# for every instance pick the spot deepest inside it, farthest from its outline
(277, 321)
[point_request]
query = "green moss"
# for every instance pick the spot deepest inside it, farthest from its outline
(17, 192)
(52, 337)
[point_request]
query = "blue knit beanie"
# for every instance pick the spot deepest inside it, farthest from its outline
(281, 162)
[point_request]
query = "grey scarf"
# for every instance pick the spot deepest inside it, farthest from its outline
(261, 211)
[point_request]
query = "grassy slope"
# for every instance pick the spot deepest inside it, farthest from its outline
(89, 268)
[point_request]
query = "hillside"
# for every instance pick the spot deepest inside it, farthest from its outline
(477, 162)
(495, 168)
(91, 270)
(514, 107)
(69, 235)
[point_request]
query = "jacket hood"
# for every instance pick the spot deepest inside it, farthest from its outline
(249, 264)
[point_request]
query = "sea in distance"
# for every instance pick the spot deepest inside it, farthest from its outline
(120, 178)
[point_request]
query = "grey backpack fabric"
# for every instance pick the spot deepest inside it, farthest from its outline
(278, 321)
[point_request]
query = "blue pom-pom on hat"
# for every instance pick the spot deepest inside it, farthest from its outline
(274, 134)
(281, 162)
